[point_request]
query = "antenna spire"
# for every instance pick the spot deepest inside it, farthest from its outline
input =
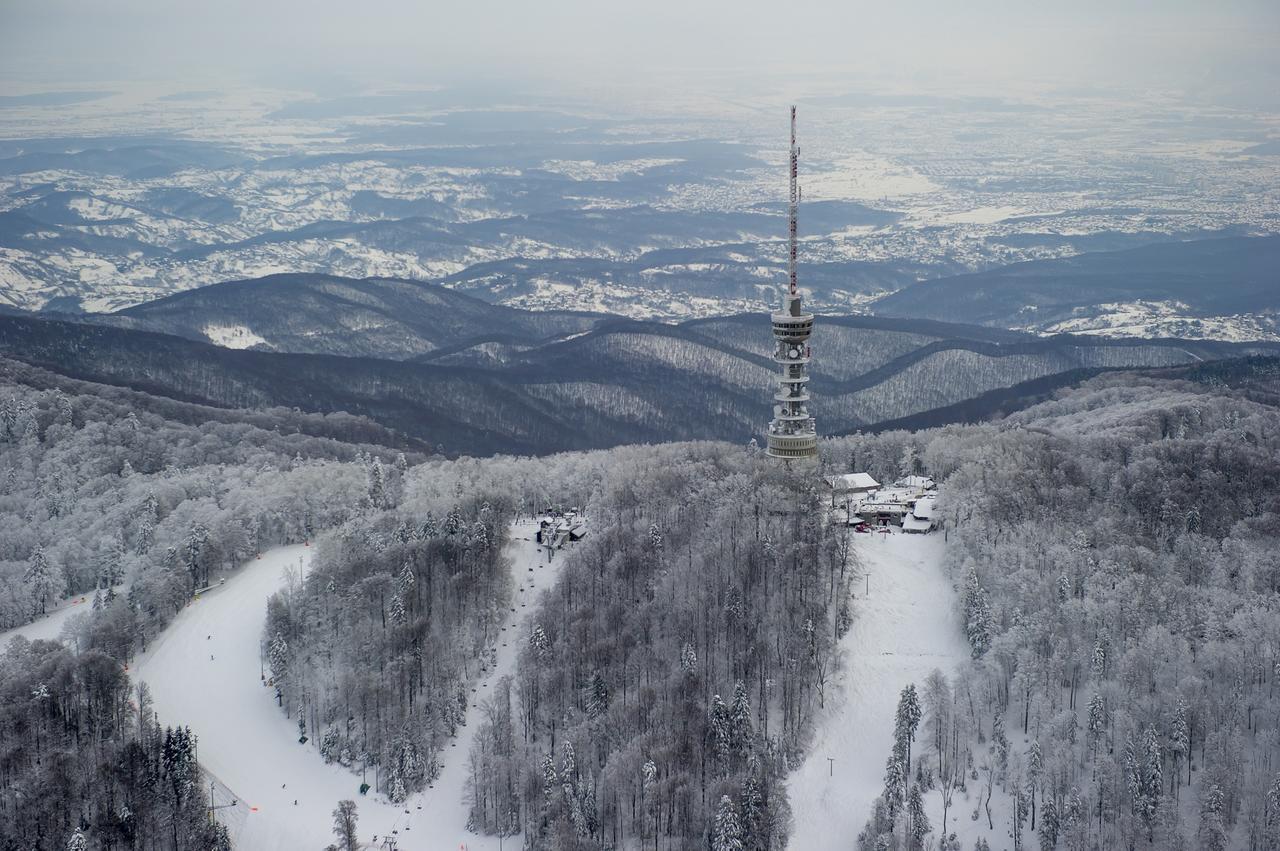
(793, 209)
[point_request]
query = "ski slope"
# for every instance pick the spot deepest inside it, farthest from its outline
(204, 671)
(907, 626)
(49, 626)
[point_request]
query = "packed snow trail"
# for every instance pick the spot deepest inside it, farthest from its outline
(204, 671)
(907, 626)
(48, 627)
(444, 812)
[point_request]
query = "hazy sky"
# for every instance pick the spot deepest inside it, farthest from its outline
(1224, 49)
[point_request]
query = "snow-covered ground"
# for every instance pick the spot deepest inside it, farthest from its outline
(50, 626)
(204, 671)
(907, 626)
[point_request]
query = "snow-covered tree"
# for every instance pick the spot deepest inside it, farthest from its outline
(1213, 825)
(906, 720)
(726, 835)
(40, 578)
(977, 615)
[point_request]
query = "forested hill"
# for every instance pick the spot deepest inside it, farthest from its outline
(1238, 275)
(622, 382)
(324, 314)
(1114, 552)
(1115, 549)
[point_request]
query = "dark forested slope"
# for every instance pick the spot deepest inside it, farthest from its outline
(622, 382)
(1212, 277)
(323, 314)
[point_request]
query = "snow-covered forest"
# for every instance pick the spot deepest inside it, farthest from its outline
(116, 499)
(1115, 551)
(681, 658)
(375, 651)
(1113, 554)
(101, 498)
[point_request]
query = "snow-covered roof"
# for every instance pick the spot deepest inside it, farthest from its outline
(912, 523)
(880, 506)
(852, 481)
(916, 482)
(925, 507)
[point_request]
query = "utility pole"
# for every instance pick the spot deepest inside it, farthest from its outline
(831, 766)
(213, 806)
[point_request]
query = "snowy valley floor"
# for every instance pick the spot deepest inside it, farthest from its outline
(204, 671)
(907, 626)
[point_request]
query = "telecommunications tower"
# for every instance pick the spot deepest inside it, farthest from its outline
(793, 435)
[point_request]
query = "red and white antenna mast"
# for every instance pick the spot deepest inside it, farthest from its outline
(793, 209)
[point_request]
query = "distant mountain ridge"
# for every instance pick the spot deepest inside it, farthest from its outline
(324, 314)
(476, 378)
(1211, 277)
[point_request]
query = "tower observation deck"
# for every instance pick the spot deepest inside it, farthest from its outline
(793, 435)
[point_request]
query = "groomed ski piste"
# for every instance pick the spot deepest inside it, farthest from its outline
(49, 626)
(204, 671)
(907, 625)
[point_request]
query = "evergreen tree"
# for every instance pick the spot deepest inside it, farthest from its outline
(540, 643)
(1035, 767)
(1213, 826)
(40, 578)
(895, 780)
(916, 817)
(740, 726)
(752, 807)
(178, 762)
(549, 777)
(1097, 721)
(197, 537)
(1152, 772)
(977, 615)
(906, 721)
(278, 658)
(1001, 742)
(1048, 825)
(1179, 738)
(1271, 817)
(376, 484)
(688, 660)
(720, 727)
(727, 833)
(597, 695)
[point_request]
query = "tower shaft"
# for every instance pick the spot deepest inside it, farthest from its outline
(792, 434)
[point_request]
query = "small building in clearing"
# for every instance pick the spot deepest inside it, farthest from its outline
(911, 508)
(849, 485)
(920, 484)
